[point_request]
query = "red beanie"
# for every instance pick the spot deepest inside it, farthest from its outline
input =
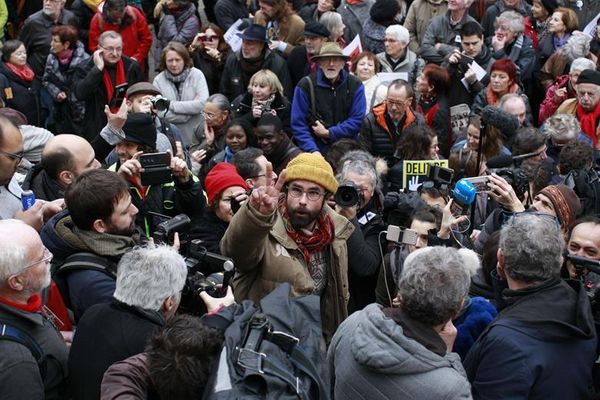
(222, 176)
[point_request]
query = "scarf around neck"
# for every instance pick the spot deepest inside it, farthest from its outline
(322, 235)
(25, 72)
(108, 85)
(34, 304)
(178, 78)
(65, 56)
(589, 121)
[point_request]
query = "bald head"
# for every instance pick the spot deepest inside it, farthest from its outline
(65, 157)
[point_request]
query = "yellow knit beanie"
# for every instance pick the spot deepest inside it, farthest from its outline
(312, 167)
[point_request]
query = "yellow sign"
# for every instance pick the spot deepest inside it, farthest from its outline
(415, 171)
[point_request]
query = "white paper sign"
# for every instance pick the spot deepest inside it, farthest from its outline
(479, 73)
(231, 37)
(387, 77)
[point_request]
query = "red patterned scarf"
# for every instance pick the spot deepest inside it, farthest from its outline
(24, 72)
(589, 121)
(110, 88)
(321, 236)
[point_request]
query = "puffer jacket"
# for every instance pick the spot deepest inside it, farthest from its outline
(419, 14)
(412, 65)
(371, 357)
(265, 256)
(372, 36)
(375, 132)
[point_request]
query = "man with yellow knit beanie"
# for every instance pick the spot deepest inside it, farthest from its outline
(287, 233)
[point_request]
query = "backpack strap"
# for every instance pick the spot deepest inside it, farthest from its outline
(86, 260)
(311, 94)
(14, 334)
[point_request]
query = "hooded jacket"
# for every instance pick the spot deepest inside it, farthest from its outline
(85, 287)
(542, 346)
(371, 357)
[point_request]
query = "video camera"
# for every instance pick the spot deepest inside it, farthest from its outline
(439, 178)
(205, 270)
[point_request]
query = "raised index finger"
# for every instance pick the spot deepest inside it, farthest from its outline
(269, 174)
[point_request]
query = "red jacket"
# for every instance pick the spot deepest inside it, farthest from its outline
(137, 38)
(550, 105)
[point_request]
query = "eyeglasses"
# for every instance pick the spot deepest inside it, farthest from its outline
(312, 195)
(13, 156)
(46, 258)
(112, 49)
(257, 176)
(398, 103)
(209, 38)
(209, 115)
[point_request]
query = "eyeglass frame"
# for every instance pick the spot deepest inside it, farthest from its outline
(14, 156)
(299, 192)
(112, 49)
(46, 258)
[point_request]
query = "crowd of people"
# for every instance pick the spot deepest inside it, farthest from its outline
(140, 145)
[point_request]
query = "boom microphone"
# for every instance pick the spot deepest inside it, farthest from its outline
(506, 123)
(501, 161)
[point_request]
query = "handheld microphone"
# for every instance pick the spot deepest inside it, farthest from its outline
(227, 275)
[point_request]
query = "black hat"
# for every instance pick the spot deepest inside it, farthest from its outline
(316, 29)
(254, 32)
(140, 129)
(384, 11)
(550, 5)
(589, 76)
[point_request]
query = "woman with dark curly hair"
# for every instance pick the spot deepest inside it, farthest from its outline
(209, 51)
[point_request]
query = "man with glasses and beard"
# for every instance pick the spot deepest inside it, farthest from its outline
(90, 237)
(293, 236)
(24, 273)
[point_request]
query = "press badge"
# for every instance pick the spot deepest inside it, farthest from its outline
(8, 93)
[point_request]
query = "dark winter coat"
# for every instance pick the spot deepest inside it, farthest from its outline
(372, 36)
(521, 52)
(281, 156)
(457, 92)
(380, 136)
(89, 87)
(210, 229)
(234, 81)
(242, 109)
(57, 79)
(440, 30)
(19, 372)
(542, 340)
(211, 68)
(44, 187)
(107, 333)
(36, 36)
(494, 11)
(298, 65)
(23, 96)
(229, 11)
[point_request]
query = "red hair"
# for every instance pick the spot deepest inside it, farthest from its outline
(507, 66)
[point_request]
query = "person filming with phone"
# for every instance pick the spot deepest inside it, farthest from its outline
(159, 182)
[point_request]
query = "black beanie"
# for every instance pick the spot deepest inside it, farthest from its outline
(140, 129)
(550, 5)
(384, 11)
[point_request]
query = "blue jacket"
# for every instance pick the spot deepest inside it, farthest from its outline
(542, 346)
(341, 116)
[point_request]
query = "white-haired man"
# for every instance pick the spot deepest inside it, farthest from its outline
(397, 57)
(148, 292)
(24, 273)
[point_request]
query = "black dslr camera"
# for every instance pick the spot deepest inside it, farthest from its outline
(160, 103)
(348, 195)
(516, 177)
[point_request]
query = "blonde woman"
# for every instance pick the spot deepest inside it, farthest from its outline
(264, 95)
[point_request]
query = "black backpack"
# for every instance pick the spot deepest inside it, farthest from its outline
(76, 262)
(272, 351)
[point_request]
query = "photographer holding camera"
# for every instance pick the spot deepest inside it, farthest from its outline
(168, 188)
(360, 201)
